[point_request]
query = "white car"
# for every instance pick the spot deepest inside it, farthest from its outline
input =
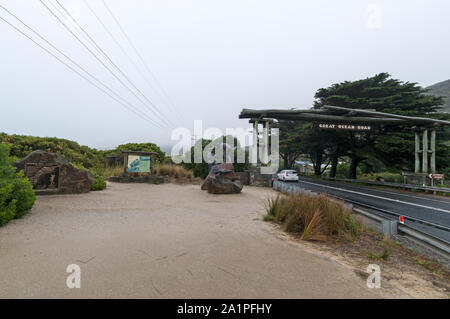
(287, 175)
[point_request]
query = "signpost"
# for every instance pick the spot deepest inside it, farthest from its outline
(401, 220)
(436, 176)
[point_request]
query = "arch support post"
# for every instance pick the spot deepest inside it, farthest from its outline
(425, 151)
(417, 153)
(254, 152)
(433, 151)
(264, 148)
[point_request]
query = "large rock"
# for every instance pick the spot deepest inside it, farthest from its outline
(51, 173)
(222, 180)
(73, 180)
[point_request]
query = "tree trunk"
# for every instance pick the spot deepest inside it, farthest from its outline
(285, 161)
(292, 161)
(353, 166)
(318, 163)
(334, 164)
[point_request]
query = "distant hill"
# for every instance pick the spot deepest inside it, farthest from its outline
(442, 89)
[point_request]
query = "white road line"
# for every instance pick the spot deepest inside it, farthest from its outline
(379, 197)
(442, 201)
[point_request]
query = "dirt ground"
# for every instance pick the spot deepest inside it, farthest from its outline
(173, 241)
(402, 269)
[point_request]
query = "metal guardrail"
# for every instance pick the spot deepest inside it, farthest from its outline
(385, 211)
(397, 185)
(389, 227)
(423, 237)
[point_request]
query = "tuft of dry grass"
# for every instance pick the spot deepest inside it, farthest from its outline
(111, 171)
(313, 217)
(175, 171)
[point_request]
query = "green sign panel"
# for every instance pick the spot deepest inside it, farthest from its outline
(138, 164)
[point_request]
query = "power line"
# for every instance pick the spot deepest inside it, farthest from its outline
(164, 117)
(89, 38)
(72, 69)
(138, 69)
(140, 57)
(92, 53)
(77, 64)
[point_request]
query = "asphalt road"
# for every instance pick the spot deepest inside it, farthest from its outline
(428, 208)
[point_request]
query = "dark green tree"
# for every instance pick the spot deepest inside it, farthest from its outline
(392, 144)
(201, 169)
(142, 147)
(290, 133)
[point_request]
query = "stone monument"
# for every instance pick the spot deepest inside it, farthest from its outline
(222, 179)
(50, 173)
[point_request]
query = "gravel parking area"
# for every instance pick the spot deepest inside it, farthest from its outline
(164, 241)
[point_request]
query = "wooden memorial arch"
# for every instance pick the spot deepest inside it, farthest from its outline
(341, 118)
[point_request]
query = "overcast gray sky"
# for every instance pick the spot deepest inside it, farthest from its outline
(212, 57)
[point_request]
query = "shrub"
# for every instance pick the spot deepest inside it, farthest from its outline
(23, 192)
(143, 147)
(343, 169)
(176, 171)
(21, 145)
(7, 204)
(16, 193)
(314, 218)
(99, 183)
(90, 158)
(384, 177)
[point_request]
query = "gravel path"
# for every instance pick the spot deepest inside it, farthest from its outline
(163, 241)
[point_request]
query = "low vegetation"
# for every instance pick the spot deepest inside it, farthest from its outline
(16, 193)
(175, 171)
(374, 256)
(22, 145)
(142, 147)
(313, 217)
(81, 157)
(383, 177)
(111, 171)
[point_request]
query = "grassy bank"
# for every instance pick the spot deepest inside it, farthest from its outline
(327, 226)
(313, 217)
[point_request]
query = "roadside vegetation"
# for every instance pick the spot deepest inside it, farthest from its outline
(313, 217)
(386, 148)
(81, 157)
(327, 226)
(201, 169)
(16, 193)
